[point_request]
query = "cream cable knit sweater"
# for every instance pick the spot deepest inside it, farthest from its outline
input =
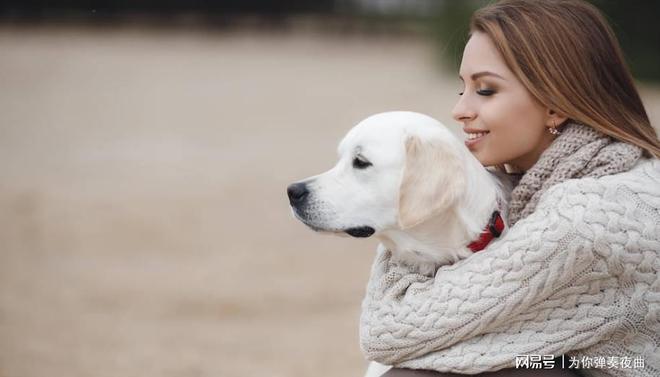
(578, 276)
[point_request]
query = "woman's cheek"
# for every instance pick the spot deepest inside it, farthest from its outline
(502, 145)
(494, 148)
(494, 141)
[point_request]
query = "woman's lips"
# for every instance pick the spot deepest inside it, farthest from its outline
(471, 143)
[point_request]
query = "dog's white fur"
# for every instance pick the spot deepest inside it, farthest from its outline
(424, 194)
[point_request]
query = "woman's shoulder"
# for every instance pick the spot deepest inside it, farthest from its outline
(641, 184)
(645, 172)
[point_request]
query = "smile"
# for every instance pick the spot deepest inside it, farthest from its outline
(476, 135)
(474, 138)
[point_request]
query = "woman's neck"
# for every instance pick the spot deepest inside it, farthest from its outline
(526, 161)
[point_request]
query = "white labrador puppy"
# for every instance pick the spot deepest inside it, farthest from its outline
(404, 178)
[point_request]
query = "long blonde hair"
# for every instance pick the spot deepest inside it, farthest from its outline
(567, 56)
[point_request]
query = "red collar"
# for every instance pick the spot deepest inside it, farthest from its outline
(493, 229)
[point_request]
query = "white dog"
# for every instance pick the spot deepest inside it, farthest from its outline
(404, 178)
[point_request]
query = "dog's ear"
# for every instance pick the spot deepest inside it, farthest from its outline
(432, 181)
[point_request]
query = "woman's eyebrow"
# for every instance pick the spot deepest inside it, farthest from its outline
(475, 76)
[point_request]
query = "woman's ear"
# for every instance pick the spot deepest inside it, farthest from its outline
(431, 183)
(554, 119)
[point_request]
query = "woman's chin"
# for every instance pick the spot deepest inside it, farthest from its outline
(483, 157)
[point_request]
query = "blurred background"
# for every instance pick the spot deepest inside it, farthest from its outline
(145, 149)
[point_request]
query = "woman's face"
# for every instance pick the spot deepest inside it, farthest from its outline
(502, 120)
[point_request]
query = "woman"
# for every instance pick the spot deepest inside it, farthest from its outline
(546, 94)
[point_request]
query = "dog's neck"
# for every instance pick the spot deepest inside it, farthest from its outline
(439, 241)
(444, 238)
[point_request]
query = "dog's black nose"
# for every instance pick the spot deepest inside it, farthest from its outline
(297, 193)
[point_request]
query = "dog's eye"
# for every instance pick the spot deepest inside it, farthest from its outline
(360, 164)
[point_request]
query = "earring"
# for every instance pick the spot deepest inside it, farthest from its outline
(553, 130)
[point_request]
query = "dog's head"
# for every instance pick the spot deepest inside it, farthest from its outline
(395, 170)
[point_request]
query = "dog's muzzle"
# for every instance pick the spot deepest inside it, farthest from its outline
(299, 199)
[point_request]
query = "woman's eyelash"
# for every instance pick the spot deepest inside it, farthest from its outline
(483, 92)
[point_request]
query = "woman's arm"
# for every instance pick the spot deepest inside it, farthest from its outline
(530, 291)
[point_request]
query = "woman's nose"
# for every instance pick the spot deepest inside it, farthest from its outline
(462, 111)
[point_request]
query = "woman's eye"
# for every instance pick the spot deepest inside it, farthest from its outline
(360, 164)
(482, 92)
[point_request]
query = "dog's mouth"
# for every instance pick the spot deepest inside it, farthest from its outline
(360, 232)
(357, 232)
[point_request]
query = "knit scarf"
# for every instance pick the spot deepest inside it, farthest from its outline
(580, 151)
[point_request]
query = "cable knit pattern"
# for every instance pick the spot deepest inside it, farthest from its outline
(580, 151)
(579, 276)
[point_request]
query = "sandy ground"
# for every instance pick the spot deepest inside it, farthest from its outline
(144, 227)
